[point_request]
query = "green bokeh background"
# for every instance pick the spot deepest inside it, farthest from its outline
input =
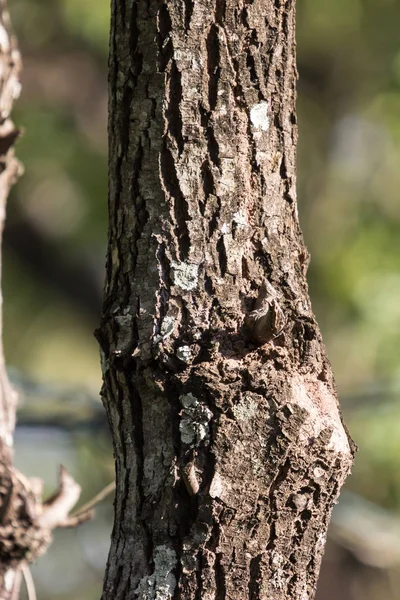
(348, 194)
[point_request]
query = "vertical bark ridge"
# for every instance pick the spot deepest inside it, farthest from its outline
(229, 452)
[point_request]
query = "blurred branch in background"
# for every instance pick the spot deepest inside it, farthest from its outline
(50, 206)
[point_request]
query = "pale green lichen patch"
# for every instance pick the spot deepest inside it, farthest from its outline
(166, 329)
(184, 354)
(185, 275)
(162, 583)
(240, 218)
(246, 409)
(216, 487)
(188, 560)
(195, 418)
(259, 116)
(167, 326)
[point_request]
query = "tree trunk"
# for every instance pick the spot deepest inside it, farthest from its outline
(229, 445)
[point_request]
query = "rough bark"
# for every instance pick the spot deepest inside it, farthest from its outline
(229, 445)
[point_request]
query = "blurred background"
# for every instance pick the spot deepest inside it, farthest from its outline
(55, 243)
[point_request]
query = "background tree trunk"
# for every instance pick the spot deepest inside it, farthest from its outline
(229, 445)
(26, 522)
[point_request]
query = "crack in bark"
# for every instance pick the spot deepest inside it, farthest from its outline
(136, 56)
(213, 65)
(139, 203)
(212, 144)
(173, 114)
(222, 257)
(164, 40)
(255, 578)
(180, 205)
(220, 584)
(189, 6)
(199, 590)
(208, 179)
(220, 11)
(214, 221)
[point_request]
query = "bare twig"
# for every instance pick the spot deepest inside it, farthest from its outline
(86, 512)
(16, 586)
(56, 510)
(95, 500)
(29, 583)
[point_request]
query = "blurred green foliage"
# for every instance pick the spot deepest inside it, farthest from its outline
(348, 192)
(349, 176)
(62, 196)
(348, 189)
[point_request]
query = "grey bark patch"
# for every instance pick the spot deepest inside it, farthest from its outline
(185, 275)
(167, 326)
(195, 418)
(166, 329)
(184, 353)
(240, 219)
(161, 584)
(259, 116)
(246, 409)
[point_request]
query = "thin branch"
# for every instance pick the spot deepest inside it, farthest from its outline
(29, 583)
(95, 500)
(56, 509)
(16, 585)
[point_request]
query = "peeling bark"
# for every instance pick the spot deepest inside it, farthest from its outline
(229, 445)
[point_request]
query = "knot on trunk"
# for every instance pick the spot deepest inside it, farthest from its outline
(267, 320)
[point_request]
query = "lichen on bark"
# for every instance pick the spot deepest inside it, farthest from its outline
(203, 215)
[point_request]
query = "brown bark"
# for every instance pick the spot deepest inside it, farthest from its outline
(229, 445)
